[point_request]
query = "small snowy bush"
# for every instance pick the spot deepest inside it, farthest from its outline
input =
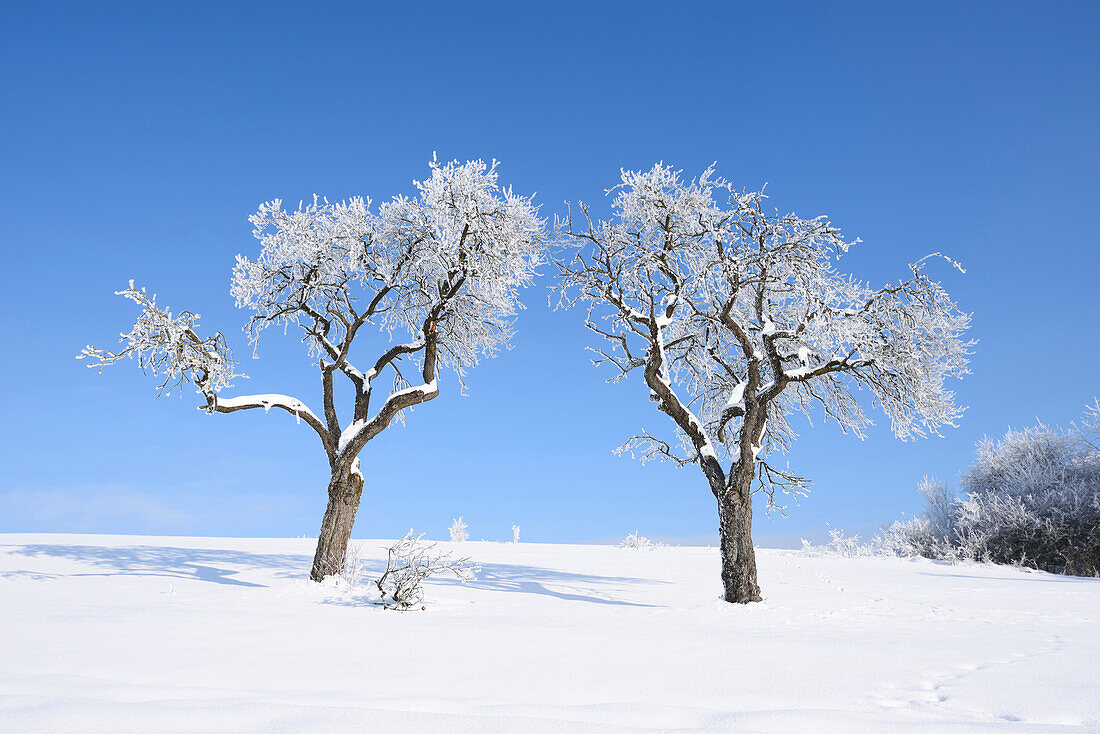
(458, 530)
(515, 533)
(408, 562)
(848, 546)
(932, 533)
(840, 544)
(1031, 499)
(352, 571)
(635, 541)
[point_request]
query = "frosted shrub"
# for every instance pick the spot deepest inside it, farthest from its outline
(1031, 498)
(351, 571)
(910, 538)
(408, 562)
(940, 509)
(635, 541)
(932, 534)
(840, 544)
(848, 546)
(458, 531)
(515, 533)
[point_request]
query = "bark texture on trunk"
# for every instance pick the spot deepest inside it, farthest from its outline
(344, 492)
(735, 538)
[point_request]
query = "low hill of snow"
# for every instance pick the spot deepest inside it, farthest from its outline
(140, 634)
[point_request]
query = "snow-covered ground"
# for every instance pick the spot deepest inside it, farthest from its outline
(142, 634)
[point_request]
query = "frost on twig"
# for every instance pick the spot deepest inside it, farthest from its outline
(408, 562)
(1089, 428)
(167, 346)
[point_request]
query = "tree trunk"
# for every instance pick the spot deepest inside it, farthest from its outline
(735, 537)
(344, 493)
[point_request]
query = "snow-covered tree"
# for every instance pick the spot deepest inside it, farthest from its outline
(432, 280)
(738, 318)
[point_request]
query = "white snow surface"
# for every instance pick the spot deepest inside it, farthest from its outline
(168, 634)
(350, 432)
(737, 395)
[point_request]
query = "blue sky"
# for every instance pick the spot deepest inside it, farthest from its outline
(135, 140)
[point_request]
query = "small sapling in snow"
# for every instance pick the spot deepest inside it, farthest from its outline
(409, 562)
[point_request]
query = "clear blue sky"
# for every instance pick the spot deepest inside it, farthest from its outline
(135, 139)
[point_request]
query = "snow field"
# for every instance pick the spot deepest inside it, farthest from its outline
(129, 633)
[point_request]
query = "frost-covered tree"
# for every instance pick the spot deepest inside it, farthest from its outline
(737, 318)
(431, 281)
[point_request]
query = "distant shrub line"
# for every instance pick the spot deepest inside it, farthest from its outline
(1030, 499)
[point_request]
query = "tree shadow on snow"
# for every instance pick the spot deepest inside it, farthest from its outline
(512, 578)
(530, 580)
(199, 564)
(219, 566)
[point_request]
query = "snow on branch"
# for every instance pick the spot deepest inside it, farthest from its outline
(362, 430)
(266, 401)
(167, 346)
